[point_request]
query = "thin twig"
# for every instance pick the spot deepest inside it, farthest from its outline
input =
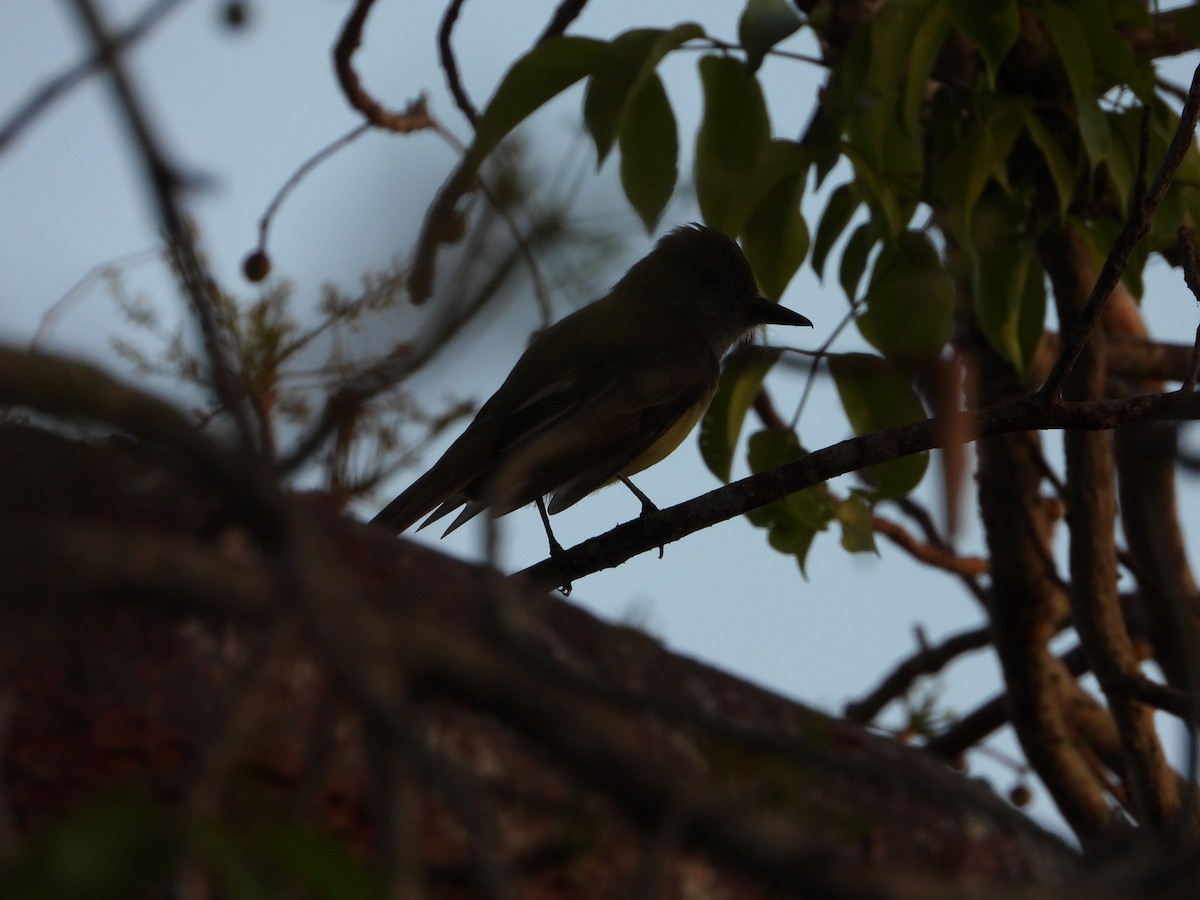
(413, 118)
(450, 64)
(990, 716)
(320, 156)
(930, 554)
(1139, 181)
(568, 11)
(165, 185)
(926, 661)
(42, 98)
(1191, 276)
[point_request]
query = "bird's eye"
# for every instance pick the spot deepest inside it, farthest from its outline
(711, 277)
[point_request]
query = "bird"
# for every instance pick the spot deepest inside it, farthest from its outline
(606, 392)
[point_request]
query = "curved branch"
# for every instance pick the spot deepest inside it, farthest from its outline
(926, 661)
(414, 118)
(668, 525)
(450, 64)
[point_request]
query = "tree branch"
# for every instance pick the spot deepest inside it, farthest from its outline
(42, 98)
(413, 118)
(926, 661)
(670, 524)
(1091, 504)
(450, 64)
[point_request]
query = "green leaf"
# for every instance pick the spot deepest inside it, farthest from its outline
(764, 23)
(793, 521)
(775, 237)
(112, 847)
(776, 161)
(1057, 164)
(992, 26)
(649, 145)
(910, 301)
(1075, 54)
(774, 233)
(537, 77)
(877, 396)
(858, 524)
(838, 211)
(733, 132)
(926, 45)
(855, 256)
(888, 159)
(1008, 286)
(741, 376)
(1112, 51)
(982, 156)
(319, 864)
(625, 64)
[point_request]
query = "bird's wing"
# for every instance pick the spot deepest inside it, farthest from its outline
(573, 440)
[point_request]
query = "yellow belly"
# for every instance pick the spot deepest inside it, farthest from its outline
(671, 438)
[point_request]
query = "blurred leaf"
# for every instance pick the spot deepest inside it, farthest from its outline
(981, 157)
(1075, 54)
(623, 67)
(926, 46)
(843, 201)
(910, 300)
(764, 23)
(877, 396)
(540, 75)
(794, 521)
(111, 848)
(858, 525)
(855, 256)
(774, 233)
(741, 376)
(1186, 21)
(888, 159)
(319, 864)
(991, 26)
(649, 146)
(1057, 164)
(1113, 53)
(1007, 281)
(776, 160)
(775, 237)
(732, 135)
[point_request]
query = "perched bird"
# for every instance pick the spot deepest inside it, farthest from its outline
(608, 391)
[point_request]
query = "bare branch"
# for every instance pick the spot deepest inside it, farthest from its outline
(45, 96)
(450, 64)
(926, 661)
(670, 524)
(414, 118)
(568, 11)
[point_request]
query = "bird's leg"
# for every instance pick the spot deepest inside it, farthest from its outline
(556, 549)
(647, 504)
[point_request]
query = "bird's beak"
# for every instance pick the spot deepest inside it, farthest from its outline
(765, 312)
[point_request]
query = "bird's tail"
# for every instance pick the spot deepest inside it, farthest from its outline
(443, 485)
